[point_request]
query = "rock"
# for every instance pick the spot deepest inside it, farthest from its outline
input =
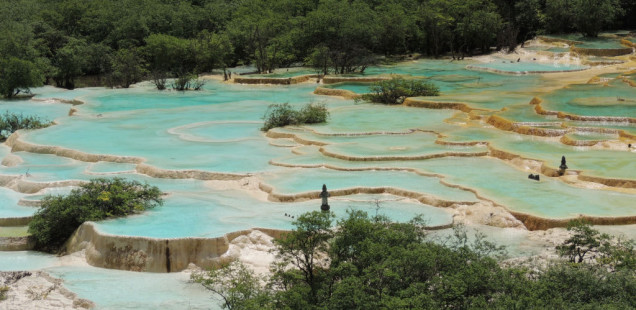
(38, 291)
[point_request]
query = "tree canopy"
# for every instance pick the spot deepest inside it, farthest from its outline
(59, 216)
(62, 40)
(370, 262)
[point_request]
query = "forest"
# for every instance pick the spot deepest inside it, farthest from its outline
(369, 262)
(121, 42)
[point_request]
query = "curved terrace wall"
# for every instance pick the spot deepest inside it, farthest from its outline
(620, 119)
(493, 70)
(430, 104)
(151, 254)
(558, 40)
(347, 94)
(609, 52)
(341, 79)
(275, 81)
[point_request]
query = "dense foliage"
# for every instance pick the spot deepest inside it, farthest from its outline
(395, 90)
(372, 263)
(122, 40)
(59, 216)
(11, 122)
(279, 115)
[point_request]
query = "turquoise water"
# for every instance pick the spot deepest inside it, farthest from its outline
(209, 213)
(548, 198)
(285, 72)
(359, 88)
(288, 182)
(218, 130)
(616, 99)
(549, 49)
(140, 290)
(9, 204)
(528, 67)
(600, 42)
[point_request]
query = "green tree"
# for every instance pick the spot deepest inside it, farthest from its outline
(436, 22)
(583, 240)
(59, 216)
(17, 75)
(214, 50)
(305, 248)
(127, 68)
(559, 16)
(237, 286)
(279, 115)
(170, 56)
(395, 90)
(348, 29)
(68, 63)
(592, 16)
(262, 32)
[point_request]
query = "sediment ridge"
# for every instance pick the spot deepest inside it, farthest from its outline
(346, 94)
(538, 108)
(20, 184)
(493, 70)
(18, 145)
(609, 52)
(151, 254)
(275, 80)
(343, 79)
(423, 198)
(524, 128)
(15, 221)
(155, 172)
(493, 152)
(400, 158)
(431, 104)
(558, 40)
(16, 243)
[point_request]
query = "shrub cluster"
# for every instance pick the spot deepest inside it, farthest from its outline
(373, 263)
(11, 122)
(395, 90)
(279, 115)
(59, 216)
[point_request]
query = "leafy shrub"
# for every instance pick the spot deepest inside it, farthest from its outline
(395, 90)
(11, 122)
(59, 216)
(373, 263)
(279, 115)
(185, 82)
(313, 113)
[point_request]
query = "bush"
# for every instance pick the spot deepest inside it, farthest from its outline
(395, 90)
(279, 115)
(185, 82)
(59, 216)
(11, 122)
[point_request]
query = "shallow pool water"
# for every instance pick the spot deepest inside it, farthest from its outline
(438, 153)
(507, 66)
(615, 100)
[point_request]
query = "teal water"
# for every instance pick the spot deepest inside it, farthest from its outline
(600, 42)
(528, 67)
(617, 99)
(9, 204)
(289, 182)
(213, 213)
(218, 130)
(359, 88)
(140, 290)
